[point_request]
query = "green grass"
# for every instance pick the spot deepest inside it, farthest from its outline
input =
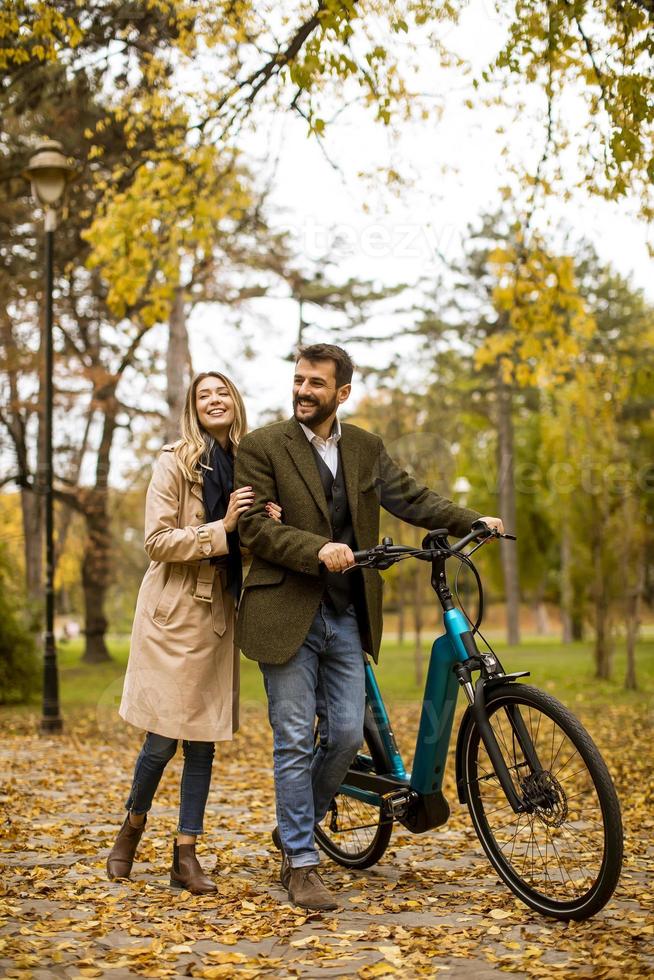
(566, 671)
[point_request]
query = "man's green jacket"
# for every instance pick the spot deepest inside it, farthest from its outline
(283, 589)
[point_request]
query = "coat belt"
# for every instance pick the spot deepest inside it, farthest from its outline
(204, 581)
(204, 590)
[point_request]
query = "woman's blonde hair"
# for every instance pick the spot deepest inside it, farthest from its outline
(194, 448)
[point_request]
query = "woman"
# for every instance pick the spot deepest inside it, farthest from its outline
(182, 677)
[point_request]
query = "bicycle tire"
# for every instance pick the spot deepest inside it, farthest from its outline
(574, 845)
(356, 852)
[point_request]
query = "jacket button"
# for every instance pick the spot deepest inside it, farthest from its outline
(199, 514)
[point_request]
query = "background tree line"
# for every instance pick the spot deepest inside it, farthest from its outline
(563, 449)
(537, 403)
(531, 359)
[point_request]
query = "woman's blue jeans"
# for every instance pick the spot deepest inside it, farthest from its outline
(153, 758)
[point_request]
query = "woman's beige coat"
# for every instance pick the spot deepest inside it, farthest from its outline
(182, 677)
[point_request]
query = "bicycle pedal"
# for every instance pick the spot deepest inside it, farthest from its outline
(396, 804)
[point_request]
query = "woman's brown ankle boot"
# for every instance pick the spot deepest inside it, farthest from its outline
(187, 873)
(121, 855)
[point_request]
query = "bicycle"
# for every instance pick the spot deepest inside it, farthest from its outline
(540, 796)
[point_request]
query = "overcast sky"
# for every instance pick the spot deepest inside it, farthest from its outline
(456, 168)
(454, 162)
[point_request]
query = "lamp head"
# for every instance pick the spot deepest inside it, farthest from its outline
(48, 171)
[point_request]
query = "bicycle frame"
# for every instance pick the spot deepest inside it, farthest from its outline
(434, 731)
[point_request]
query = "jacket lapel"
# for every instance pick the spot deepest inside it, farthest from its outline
(300, 451)
(350, 459)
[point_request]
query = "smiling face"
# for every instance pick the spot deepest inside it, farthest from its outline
(215, 407)
(316, 396)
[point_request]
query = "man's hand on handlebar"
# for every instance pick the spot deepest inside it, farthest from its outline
(494, 523)
(337, 557)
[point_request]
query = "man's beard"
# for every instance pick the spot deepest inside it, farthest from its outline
(320, 413)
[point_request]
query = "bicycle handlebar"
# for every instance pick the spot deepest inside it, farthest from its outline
(386, 554)
(479, 530)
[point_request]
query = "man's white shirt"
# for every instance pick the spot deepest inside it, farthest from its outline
(327, 448)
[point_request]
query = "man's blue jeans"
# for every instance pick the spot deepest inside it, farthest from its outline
(326, 677)
(153, 758)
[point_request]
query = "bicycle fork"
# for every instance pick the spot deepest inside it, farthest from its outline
(476, 697)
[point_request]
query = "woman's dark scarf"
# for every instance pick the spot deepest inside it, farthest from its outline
(217, 485)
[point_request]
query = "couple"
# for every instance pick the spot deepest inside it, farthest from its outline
(310, 491)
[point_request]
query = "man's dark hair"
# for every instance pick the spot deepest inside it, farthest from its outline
(329, 352)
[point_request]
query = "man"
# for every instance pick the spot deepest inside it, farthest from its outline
(305, 622)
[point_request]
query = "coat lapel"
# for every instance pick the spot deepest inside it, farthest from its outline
(300, 451)
(350, 458)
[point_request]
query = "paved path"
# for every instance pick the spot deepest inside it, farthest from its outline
(431, 906)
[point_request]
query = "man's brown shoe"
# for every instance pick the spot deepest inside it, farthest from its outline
(187, 873)
(285, 868)
(306, 889)
(121, 855)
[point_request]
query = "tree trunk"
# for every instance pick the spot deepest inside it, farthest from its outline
(400, 606)
(578, 605)
(95, 576)
(603, 644)
(30, 503)
(542, 622)
(567, 593)
(97, 556)
(634, 576)
(178, 365)
(633, 628)
(31, 500)
(603, 636)
(417, 620)
(73, 473)
(507, 508)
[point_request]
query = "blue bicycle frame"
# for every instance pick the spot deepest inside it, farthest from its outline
(436, 719)
(416, 799)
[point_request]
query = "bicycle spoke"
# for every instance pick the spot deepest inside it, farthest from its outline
(515, 837)
(540, 718)
(576, 773)
(558, 858)
(567, 762)
(573, 860)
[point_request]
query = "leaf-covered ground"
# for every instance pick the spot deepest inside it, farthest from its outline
(432, 905)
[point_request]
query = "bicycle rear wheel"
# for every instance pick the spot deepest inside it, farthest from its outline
(563, 858)
(354, 833)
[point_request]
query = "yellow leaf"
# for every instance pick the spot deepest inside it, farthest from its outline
(221, 956)
(381, 969)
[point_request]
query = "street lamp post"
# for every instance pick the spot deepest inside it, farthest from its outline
(48, 171)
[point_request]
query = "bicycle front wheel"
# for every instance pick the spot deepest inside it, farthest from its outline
(563, 856)
(354, 833)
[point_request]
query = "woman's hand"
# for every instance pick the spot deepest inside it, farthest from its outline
(239, 501)
(274, 510)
